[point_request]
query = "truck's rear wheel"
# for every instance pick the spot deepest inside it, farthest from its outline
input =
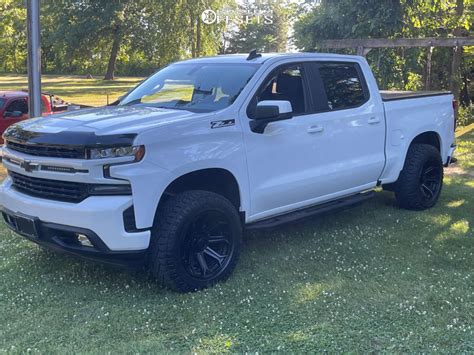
(196, 241)
(419, 184)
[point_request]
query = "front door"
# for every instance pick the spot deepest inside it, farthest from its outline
(281, 159)
(15, 111)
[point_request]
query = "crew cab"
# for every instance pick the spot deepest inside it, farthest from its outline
(170, 176)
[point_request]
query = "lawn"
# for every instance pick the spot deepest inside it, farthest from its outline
(370, 279)
(75, 89)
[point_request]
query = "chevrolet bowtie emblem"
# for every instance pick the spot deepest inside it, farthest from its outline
(29, 166)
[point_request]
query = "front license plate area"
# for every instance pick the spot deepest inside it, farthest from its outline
(26, 226)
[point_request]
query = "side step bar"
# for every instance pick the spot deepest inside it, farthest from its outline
(312, 211)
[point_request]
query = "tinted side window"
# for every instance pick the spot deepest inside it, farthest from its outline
(18, 105)
(342, 84)
(286, 84)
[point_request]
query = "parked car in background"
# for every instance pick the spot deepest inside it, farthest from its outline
(14, 107)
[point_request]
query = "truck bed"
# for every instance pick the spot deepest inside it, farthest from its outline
(389, 95)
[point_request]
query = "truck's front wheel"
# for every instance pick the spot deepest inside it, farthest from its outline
(196, 241)
(419, 184)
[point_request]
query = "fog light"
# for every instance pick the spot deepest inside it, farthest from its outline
(85, 242)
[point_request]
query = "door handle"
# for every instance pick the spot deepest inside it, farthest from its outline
(315, 129)
(373, 120)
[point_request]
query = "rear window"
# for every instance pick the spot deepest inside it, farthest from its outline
(343, 85)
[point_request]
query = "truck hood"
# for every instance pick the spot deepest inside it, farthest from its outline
(107, 120)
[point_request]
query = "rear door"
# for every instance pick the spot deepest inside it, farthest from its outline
(349, 146)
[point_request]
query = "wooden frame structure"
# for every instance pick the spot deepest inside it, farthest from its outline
(363, 47)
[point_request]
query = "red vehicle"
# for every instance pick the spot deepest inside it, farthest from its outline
(14, 107)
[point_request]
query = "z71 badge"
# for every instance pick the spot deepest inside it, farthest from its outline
(223, 123)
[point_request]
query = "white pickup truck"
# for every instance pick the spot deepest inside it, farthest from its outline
(169, 176)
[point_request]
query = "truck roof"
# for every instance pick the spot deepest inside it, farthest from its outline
(13, 93)
(242, 58)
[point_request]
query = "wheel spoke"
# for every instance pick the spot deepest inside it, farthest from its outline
(207, 245)
(213, 254)
(218, 239)
(430, 180)
(214, 226)
(428, 170)
(202, 263)
(427, 190)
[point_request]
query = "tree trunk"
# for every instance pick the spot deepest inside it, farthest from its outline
(191, 34)
(455, 80)
(110, 75)
(429, 56)
(198, 38)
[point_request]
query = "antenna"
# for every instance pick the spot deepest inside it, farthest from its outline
(253, 55)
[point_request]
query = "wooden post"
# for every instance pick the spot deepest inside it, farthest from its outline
(429, 55)
(457, 55)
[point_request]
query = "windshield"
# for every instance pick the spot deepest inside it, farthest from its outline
(2, 102)
(194, 87)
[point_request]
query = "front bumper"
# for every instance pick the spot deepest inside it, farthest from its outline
(64, 239)
(100, 215)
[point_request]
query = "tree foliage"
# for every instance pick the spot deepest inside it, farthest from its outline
(394, 68)
(133, 37)
(264, 26)
(13, 37)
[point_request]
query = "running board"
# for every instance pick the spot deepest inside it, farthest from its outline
(312, 211)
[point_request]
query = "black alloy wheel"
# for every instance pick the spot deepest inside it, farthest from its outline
(207, 245)
(430, 179)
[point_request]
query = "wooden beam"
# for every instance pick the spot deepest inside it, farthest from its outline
(396, 42)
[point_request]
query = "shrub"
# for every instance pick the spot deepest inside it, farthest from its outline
(465, 115)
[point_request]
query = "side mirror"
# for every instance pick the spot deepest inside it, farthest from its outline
(269, 111)
(274, 110)
(13, 114)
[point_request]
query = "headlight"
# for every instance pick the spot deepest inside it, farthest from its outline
(115, 152)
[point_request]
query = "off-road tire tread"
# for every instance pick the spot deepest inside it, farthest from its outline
(168, 220)
(407, 192)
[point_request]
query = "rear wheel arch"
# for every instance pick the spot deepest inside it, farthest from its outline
(430, 137)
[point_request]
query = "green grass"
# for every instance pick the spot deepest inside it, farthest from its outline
(373, 278)
(75, 89)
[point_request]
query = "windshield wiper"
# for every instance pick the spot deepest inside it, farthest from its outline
(133, 102)
(170, 107)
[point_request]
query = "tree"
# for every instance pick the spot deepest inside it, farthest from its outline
(399, 68)
(266, 29)
(337, 19)
(13, 38)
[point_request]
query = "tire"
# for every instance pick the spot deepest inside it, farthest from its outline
(421, 180)
(196, 241)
